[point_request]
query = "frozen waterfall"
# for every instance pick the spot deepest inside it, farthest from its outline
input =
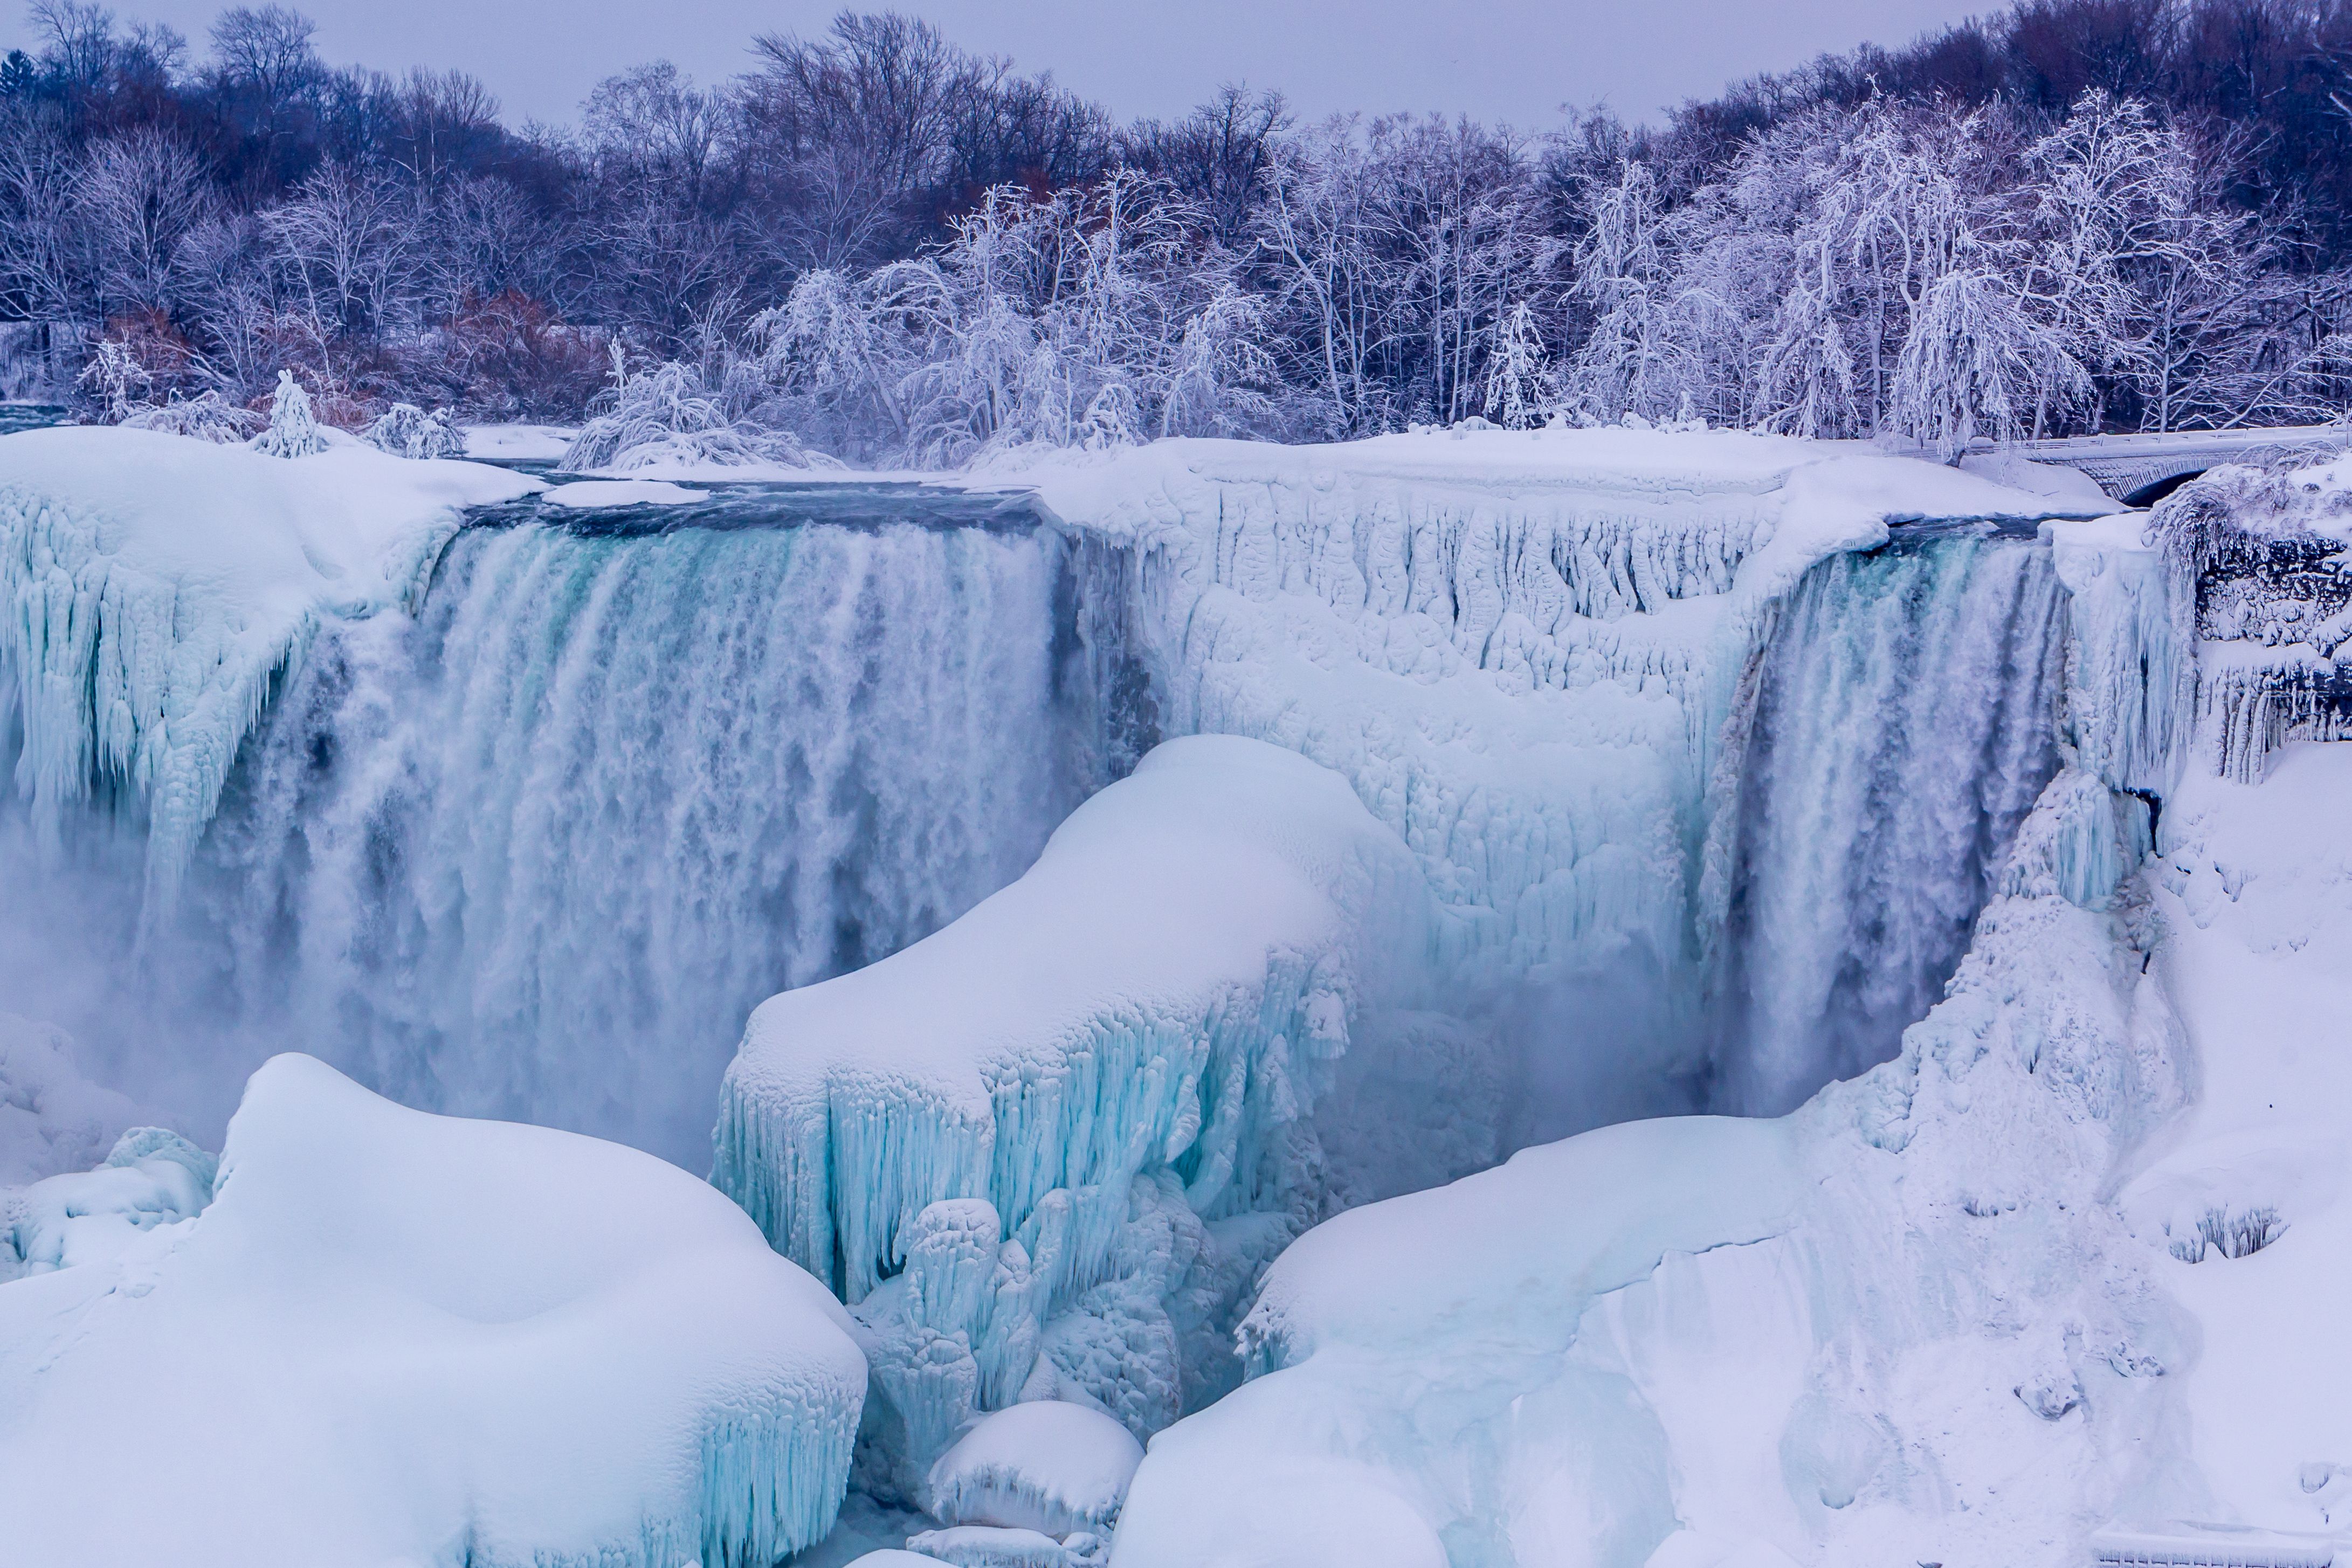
(1904, 723)
(536, 850)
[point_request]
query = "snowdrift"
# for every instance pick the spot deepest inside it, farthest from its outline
(390, 1336)
(156, 587)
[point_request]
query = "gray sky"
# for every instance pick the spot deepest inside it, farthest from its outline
(1513, 60)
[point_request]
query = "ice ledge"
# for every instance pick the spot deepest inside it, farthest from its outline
(153, 589)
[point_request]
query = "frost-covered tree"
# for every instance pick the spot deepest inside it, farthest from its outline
(293, 428)
(406, 430)
(1518, 375)
(1975, 363)
(1638, 357)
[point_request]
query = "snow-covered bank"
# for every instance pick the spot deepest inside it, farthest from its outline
(389, 1336)
(155, 589)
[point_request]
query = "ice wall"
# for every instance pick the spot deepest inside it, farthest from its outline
(1904, 721)
(2257, 561)
(1539, 656)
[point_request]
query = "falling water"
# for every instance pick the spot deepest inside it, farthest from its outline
(1903, 728)
(537, 851)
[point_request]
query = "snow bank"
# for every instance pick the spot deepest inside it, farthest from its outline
(1044, 1150)
(155, 589)
(390, 1333)
(2246, 1200)
(519, 442)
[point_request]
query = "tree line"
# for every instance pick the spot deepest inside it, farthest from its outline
(877, 247)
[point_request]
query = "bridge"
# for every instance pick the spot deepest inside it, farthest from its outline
(2141, 470)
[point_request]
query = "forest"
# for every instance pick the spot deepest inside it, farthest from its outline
(876, 248)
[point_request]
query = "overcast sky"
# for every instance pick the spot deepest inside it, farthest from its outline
(1513, 60)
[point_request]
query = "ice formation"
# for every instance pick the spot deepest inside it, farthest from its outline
(2056, 1282)
(390, 1336)
(52, 1118)
(2266, 561)
(1525, 650)
(157, 588)
(151, 1177)
(806, 746)
(1043, 1151)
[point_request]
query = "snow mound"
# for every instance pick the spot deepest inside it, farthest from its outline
(151, 1178)
(1049, 1466)
(983, 1546)
(1044, 1150)
(156, 588)
(591, 493)
(397, 1331)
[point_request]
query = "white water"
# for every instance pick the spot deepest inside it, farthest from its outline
(1904, 724)
(536, 852)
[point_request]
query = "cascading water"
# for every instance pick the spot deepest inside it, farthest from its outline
(537, 851)
(1904, 725)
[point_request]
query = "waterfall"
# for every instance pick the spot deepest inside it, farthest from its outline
(1904, 725)
(536, 850)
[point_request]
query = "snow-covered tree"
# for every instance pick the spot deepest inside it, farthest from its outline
(1518, 376)
(1638, 357)
(293, 428)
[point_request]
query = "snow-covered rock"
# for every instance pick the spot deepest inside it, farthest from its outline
(154, 588)
(1047, 1465)
(589, 494)
(1043, 1151)
(392, 1336)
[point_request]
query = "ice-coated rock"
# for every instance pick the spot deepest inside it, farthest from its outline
(1046, 1465)
(1043, 1152)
